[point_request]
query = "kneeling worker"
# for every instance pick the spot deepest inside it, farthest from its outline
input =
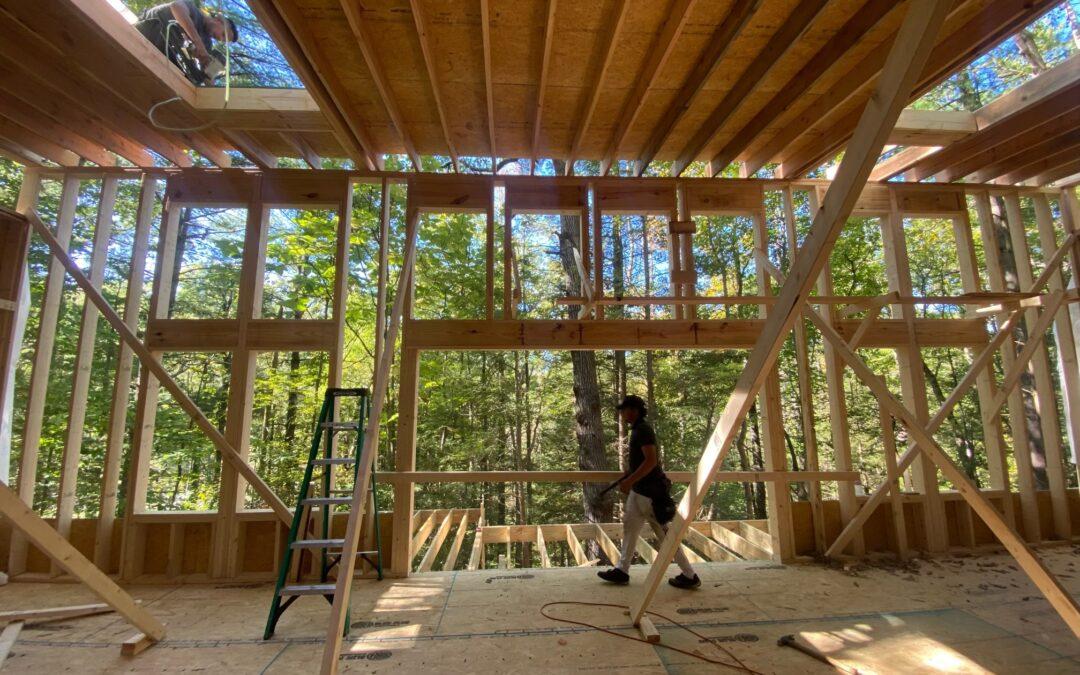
(648, 498)
(167, 25)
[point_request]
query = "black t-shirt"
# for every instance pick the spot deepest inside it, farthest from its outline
(642, 434)
(154, 22)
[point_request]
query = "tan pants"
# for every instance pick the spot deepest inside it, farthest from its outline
(637, 512)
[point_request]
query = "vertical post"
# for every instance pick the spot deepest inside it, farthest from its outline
(778, 493)
(27, 200)
(142, 440)
(598, 257)
(404, 491)
(117, 430)
(912, 379)
(896, 501)
(1029, 508)
(838, 414)
(686, 250)
(508, 254)
(806, 408)
(384, 264)
(986, 388)
(1069, 207)
(339, 305)
(84, 360)
(1044, 385)
(489, 293)
(39, 374)
(224, 557)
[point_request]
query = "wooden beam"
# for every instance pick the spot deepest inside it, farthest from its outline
(658, 54)
(250, 148)
(380, 385)
(399, 477)
(575, 548)
(436, 542)
(775, 47)
(1064, 153)
(300, 144)
(707, 62)
(606, 545)
(712, 550)
(906, 59)
(476, 557)
(7, 639)
(868, 16)
(84, 359)
(901, 161)
(485, 35)
(611, 34)
(53, 545)
(27, 116)
(455, 547)
(41, 366)
(541, 547)
(433, 79)
(739, 544)
(318, 79)
(39, 145)
(152, 364)
(55, 613)
(1043, 579)
(545, 59)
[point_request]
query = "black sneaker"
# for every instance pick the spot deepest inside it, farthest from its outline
(615, 576)
(683, 581)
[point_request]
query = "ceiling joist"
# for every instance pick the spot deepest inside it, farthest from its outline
(429, 63)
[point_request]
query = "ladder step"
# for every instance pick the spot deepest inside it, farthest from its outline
(333, 460)
(308, 589)
(341, 426)
(318, 543)
(327, 501)
(348, 392)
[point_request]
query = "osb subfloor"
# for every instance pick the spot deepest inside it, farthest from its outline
(966, 614)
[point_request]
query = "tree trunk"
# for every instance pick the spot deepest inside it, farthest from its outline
(1025, 42)
(619, 288)
(588, 427)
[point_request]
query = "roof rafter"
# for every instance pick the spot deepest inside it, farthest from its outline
(250, 148)
(421, 34)
(485, 32)
(994, 23)
(868, 16)
(549, 33)
(1063, 154)
(1064, 173)
(659, 52)
(299, 143)
(39, 145)
(1032, 153)
(356, 23)
(706, 63)
(615, 24)
(898, 163)
(318, 79)
(775, 48)
(22, 113)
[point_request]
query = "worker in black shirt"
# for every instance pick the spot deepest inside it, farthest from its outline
(648, 498)
(166, 25)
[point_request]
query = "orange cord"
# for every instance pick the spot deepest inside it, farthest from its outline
(740, 667)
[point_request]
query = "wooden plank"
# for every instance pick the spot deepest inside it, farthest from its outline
(912, 376)
(246, 144)
(738, 543)
(405, 460)
(892, 476)
(22, 113)
(542, 81)
(422, 534)
(1029, 510)
(135, 645)
(787, 35)
(1043, 579)
(611, 30)
(1044, 385)
(436, 542)
(1067, 356)
(906, 59)
(400, 477)
(648, 630)
(541, 547)
(41, 366)
(121, 394)
(455, 547)
(301, 145)
(609, 548)
(55, 613)
(7, 639)
(476, 557)
(575, 548)
(84, 358)
(380, 384)
(152, 364)
(902, 161)
(485, 31)
(710, 548)
(721, 40)
(433, 80)
(56, 547)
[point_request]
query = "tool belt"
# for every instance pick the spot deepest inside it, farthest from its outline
(663, 506)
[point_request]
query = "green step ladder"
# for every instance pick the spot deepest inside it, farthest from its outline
(302, 537)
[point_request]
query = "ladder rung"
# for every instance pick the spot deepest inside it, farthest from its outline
(333, 460)
(318, 543)
(348, 392)
(308, 589)
(327, 501)
(341, 426)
